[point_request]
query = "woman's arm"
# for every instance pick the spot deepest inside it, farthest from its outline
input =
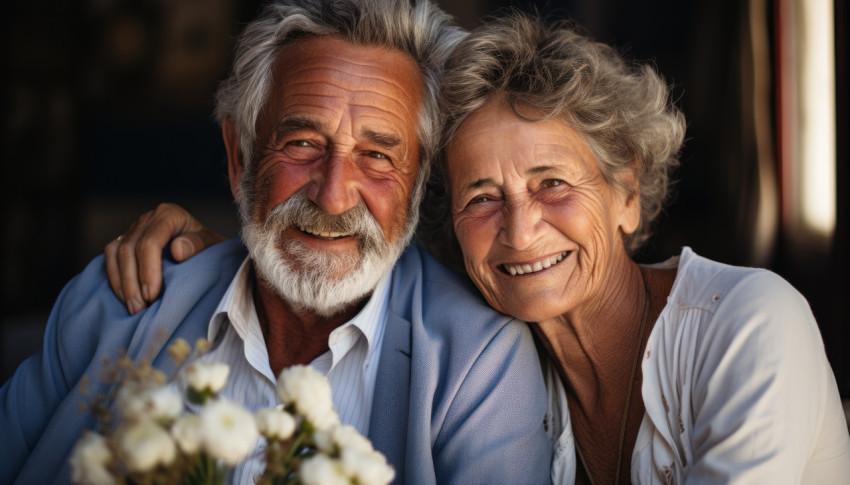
(765, 401)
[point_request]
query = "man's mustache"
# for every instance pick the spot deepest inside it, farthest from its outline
(301, 212)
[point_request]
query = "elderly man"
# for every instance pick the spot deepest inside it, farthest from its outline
(329, 124)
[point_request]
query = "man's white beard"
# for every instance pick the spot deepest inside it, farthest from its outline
(308, 279)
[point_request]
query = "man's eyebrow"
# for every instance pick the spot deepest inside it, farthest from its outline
(386, 140)
(291, 124)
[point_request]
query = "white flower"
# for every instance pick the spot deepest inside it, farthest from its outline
(206, 376)
(322, 470)
(138, 402)
(146, 445)
(340, 437)
(188, 433)
(230, 432)
(310, 393)
(366, 467)
(89, 460)
(274, 423)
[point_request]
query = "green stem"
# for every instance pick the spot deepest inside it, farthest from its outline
(296, 443)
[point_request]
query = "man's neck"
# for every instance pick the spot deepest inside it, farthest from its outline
(295, 336)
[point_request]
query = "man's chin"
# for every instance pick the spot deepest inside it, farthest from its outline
(331, 272)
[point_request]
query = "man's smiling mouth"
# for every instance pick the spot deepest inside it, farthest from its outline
(515, 269)
(325, 234)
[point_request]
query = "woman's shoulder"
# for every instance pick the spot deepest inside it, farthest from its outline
(719, 308)
(714, 286)
(722, 310)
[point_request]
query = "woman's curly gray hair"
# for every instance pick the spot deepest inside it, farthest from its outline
(624, 112)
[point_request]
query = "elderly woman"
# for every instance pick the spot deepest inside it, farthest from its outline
(556, 160)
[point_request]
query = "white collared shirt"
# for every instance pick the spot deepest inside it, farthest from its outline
(351, 363)
(736, 387)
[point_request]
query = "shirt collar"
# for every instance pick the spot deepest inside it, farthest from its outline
(237, 307)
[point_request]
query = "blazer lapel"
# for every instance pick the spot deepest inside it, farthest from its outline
(390, 404)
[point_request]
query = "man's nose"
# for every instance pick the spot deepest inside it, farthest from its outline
(335, 186)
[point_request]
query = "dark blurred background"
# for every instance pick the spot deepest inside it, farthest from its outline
(106, 111)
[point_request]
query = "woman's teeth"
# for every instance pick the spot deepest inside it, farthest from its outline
(515, 269)
(329, 235)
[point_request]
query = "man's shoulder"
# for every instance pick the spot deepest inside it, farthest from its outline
(213, 265)
(216, 263)
(88, 306)
(426, 291)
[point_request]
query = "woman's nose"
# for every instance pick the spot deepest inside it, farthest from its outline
(521, 225)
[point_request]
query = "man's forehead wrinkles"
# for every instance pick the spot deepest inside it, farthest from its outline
(383, 131)
(353, 97)
(350, 82)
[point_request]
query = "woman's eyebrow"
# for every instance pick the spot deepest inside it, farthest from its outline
(539, 170)
(479, 183)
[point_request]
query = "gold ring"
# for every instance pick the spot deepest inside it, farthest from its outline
(119, 238)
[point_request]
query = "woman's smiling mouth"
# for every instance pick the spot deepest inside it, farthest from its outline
(519, 269)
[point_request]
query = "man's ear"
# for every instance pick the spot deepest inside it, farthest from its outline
(630, 215)
(235, 167)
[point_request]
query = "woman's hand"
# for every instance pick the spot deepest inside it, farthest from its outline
(134, 259)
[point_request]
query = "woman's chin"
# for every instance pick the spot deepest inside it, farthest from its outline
(531, 311)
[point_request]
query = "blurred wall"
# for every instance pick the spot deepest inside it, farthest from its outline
(107, 111)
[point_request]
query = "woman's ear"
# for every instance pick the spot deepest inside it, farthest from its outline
(235, 167)
(629, 217)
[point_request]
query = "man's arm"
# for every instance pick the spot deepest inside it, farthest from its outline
(39, 415)
(134, 259)
(493, 429)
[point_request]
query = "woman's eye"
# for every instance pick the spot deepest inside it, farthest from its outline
(553, 182)
(480, 199)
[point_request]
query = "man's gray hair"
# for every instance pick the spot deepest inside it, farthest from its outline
(623, 112)
(416, 28)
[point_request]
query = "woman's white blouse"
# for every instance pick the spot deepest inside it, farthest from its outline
(736, 386)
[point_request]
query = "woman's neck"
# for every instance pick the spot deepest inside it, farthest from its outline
(594, 346)
(597, 351)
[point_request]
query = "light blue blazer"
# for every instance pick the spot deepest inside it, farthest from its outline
(459, 395)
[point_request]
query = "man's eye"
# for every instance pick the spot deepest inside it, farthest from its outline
(302, 151)
(378, 155)
(553, 182)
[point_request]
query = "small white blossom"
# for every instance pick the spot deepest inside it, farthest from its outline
(322, 470)
(230, 432)
(139, 402)
(366, 467)
(146, 445)
(89, 459)
(206, 376)
(275, 423)
(340, 437)
(188, 434)
(129, 399)
(310, 392)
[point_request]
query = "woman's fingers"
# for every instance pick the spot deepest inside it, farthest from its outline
(134, 260)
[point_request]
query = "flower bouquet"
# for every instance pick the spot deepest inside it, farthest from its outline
(151, 437)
